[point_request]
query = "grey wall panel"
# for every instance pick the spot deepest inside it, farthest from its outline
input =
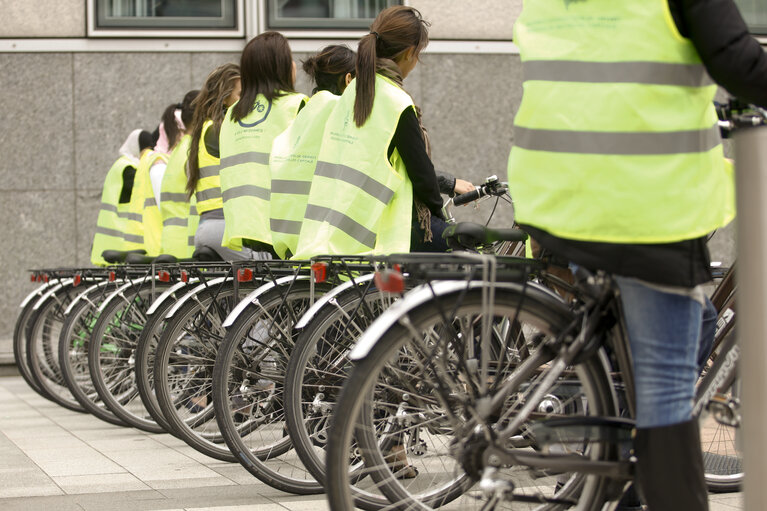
(87, 209)
(36, 106)
(116, 93)
(469, 103)
(204, 63)
(478, 19)
(38, 230)
(42, 18)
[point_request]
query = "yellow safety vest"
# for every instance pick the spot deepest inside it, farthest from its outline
(292, 162)
(360, 201)
(112, 219)
(175, 208)
(208, 190)
(616, 139)
(144, 205)
(245, 146)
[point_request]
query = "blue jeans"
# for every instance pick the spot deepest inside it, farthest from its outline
(670, 337)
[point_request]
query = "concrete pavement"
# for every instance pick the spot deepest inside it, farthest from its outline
(53, 458)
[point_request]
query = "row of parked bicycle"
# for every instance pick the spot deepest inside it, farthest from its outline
(448, 370)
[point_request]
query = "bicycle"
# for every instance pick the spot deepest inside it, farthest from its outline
(547, 429)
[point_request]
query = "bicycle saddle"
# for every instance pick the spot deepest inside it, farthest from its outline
(205, 255)
(469, 235)
(136, 258)
(118, 256)
(165, 258)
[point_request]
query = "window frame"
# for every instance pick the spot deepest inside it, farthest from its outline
(93, 31)
(312, 27)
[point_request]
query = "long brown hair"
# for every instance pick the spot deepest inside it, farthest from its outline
(328, 68)
(267, 68)
(209, 104)
(393, 32)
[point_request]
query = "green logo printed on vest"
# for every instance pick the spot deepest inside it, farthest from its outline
(260, 108)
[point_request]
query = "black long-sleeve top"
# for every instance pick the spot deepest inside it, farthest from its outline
(733, 58)
(427, 183)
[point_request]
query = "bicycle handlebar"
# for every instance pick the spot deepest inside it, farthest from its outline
(492, 186)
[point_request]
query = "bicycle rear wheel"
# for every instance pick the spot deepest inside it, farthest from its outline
(418, 391)
(111, 353)
(248, 390)
(183, 369)
(73, 352)
(43, 349)
(319, 366)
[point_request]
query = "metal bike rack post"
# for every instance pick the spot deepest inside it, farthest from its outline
(751, 185)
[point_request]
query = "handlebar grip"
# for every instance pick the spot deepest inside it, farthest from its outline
(467, 197)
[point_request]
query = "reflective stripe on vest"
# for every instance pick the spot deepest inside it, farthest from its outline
(208, 189)
(292, 164)
(245, 182)
(110, 225)
(174, 204)
(616, 139)
(360, 202)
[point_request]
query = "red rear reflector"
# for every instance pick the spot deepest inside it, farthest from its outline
(163, 276)
(112, 276)
(184, 276)
(78, 278)
(244, 275)
(32, 278)
(320, 272)
(39, 277)
(45, 278)
(389, 281)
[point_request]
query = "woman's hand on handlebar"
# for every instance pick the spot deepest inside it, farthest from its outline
(462, 186)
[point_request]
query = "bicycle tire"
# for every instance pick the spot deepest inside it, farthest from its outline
(145, 355)
(20, 329)
(43, 351)
(248, 389)
(73, 352)
(111, 352)
(183, 369)
(318, 367)
(392, 355)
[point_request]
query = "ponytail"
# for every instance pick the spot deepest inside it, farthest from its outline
(366, 79)
(394, 31)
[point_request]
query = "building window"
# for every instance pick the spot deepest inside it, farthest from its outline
(755, 14)
(343, 14)
(166, 17)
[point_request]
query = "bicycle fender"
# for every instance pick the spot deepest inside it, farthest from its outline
(324, 299)
(50, 292)
(119, 291)
(37, 292)
(194, 292)
(411, 300)
(253, 296)
(84, 294)
(168, 292)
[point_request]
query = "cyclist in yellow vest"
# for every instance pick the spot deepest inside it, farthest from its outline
(111, 225)
(617, 165)
(294, 152)
(374, 189)
(220, 91)
(179, 214)
(268, 104)
(146, 220)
